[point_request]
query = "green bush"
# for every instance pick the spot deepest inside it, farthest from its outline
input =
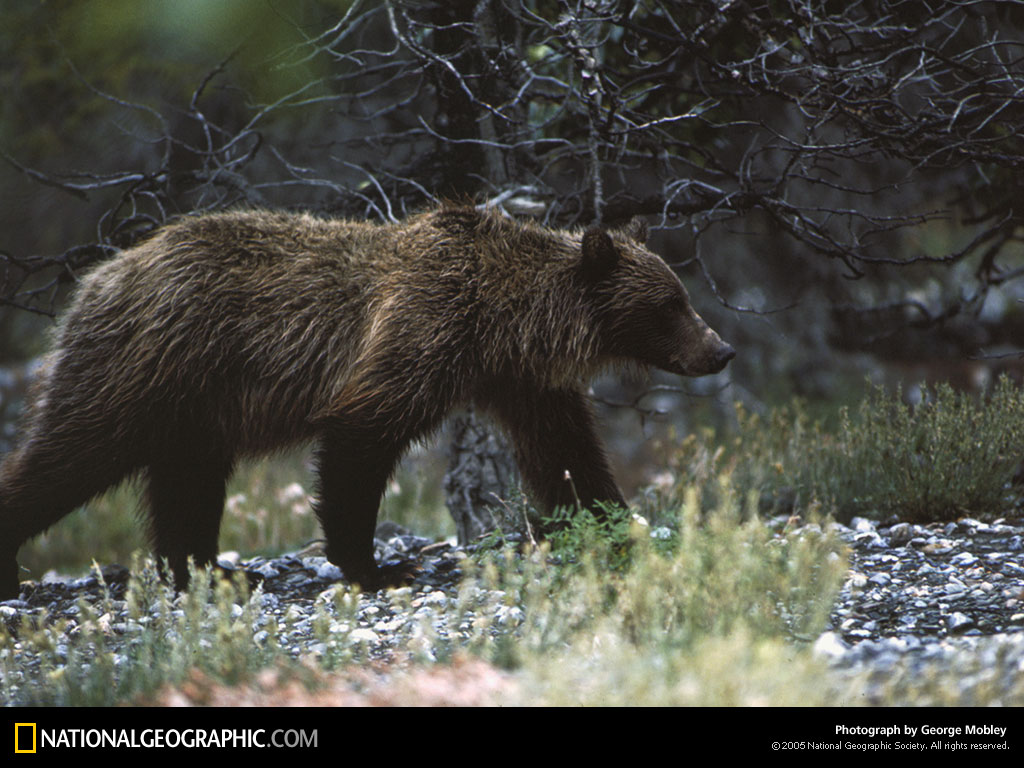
(708, 606)
(948, 456)
(706, 569)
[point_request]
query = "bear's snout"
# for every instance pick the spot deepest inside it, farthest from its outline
(723, 355)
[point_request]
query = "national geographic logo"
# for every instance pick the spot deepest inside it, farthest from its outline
(25, 738)
(28, 737)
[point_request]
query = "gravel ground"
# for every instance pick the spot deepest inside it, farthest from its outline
(925, 600)
(919, 601)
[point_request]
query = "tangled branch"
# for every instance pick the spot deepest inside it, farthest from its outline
(835, 131)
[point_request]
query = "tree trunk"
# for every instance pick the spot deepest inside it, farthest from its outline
(480, 479)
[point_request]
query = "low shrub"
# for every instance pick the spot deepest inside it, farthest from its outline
(948, 456)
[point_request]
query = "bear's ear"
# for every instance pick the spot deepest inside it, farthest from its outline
(637, 229)
(599, 254)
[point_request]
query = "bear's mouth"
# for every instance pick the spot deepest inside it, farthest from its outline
(706, 366)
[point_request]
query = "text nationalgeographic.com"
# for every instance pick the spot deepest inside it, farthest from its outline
(159, 738)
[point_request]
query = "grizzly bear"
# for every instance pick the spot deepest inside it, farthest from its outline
(233, 335)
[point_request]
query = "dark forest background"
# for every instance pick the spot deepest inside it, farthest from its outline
(838, 183)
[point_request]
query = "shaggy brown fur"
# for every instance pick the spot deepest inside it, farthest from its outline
(236, 334)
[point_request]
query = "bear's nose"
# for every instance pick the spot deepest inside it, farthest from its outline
(723, 356)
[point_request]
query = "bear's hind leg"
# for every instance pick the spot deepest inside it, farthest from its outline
(40, 483)
(186, 502)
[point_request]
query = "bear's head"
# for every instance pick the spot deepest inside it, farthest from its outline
(643, 309)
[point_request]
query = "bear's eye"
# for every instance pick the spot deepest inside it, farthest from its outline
(674, 305)
(667, 314)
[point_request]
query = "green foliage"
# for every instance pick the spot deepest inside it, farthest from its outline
(948, 456)
(86, 661)
(719, 568)
(617, 611)
(577, 533)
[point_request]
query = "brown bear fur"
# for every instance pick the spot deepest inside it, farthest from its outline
(232, 335)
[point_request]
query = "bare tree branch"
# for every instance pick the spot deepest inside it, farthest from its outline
(834, 132)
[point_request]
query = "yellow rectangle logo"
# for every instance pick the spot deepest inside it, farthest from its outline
(20, 735)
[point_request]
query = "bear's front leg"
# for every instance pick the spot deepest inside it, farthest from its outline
(559, 453)
(10, 587)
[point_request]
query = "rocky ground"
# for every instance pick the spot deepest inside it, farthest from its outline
(921, 601)
(918, 600)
